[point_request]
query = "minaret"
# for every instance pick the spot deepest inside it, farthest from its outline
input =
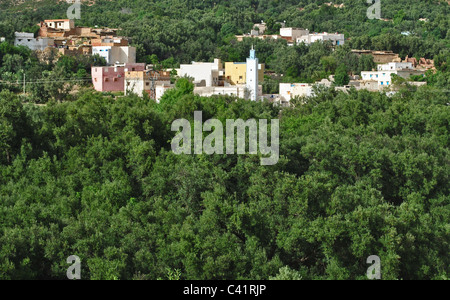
(252, 76)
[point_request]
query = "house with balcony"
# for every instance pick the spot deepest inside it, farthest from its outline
(383, 75)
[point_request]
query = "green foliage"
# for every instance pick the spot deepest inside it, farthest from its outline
(341, 77)
(287, 274)
(44, 80)
(442, 61)
(360, 174)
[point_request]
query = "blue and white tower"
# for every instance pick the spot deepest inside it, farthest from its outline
(252, 76)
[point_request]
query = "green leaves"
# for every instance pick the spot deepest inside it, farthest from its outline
(360, 174)
(341, 77)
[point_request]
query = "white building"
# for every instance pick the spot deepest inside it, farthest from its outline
(383, 76)
(239, 91)
(396, 66)
(293, 33)
(161, 88)
(28, 40)
(336, 38)
(232, 90)
(116, 54)
(252, 76)
(204, 74)
(288, 91)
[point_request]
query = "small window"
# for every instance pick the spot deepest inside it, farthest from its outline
(382, 83)
(387, 82)
(147, 83)
(115, 79)
(106, 79)
(95, 79)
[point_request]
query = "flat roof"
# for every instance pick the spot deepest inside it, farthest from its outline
(57, 20)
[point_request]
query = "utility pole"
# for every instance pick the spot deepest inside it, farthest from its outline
(154, 78)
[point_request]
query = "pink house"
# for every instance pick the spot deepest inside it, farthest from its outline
(111, 79)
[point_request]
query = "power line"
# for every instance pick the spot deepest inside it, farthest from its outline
(39, 81)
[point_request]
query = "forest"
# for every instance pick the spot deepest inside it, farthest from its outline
(93, 175)
(359, 174)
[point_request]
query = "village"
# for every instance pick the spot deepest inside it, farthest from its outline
(241, 79)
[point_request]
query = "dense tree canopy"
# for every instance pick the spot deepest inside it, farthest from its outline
(360, 174)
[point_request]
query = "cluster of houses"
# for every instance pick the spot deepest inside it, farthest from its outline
(375, 80)
(240, 79)
(62, 35)
(293, 35)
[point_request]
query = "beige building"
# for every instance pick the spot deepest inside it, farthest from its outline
(240, 38)
(147, 82)
(292, 90)
(64, 24)
(380, 57)
(239, 91)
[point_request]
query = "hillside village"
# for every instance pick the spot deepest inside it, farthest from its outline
(240, 79)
